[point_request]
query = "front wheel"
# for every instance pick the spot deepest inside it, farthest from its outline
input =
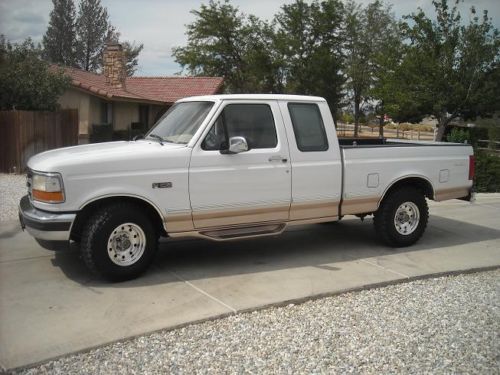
(402, 217)
(119, 242)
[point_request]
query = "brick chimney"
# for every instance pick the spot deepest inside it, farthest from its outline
(114, 64)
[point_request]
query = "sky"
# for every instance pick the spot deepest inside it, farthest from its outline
(160, 24)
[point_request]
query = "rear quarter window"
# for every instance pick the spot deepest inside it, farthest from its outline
(308, 127)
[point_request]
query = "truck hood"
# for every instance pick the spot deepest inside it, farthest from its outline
(101, 157)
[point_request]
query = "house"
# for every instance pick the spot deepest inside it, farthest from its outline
(126, 103)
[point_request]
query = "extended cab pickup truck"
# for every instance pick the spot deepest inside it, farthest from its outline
(229, 167)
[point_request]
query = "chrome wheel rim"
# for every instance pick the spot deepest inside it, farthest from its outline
(126, 244)
(406, 218)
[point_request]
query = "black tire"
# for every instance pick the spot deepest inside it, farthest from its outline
(384, 218)
(97, 245)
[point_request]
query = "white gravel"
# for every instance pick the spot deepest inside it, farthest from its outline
(441, 325)
(12, 189)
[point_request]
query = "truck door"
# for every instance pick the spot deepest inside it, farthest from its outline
(252, 186)
(316, 163)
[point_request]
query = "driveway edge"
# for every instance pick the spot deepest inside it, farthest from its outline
(296, 301)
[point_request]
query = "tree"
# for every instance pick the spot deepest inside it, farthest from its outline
(26, 82)
(131, 51)
(371, 35)
(356, 52)
(59, 41)
(92, 27)
(308, 38)
(447, 65)
(384, 56)
(224, 42)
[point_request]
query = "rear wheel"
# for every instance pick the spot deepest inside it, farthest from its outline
(402, 217)
(119, 242)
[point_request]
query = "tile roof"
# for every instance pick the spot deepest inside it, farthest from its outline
(148, 89)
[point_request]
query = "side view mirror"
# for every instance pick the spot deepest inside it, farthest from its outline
(236, 145)
(138, 136)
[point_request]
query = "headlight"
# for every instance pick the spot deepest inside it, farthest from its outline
(47, 187)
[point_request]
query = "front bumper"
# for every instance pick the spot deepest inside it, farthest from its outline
(43, 225)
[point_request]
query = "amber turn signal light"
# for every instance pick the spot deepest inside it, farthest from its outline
(48, 197)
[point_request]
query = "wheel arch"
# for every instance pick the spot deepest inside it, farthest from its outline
(91, 206)
(420, 182)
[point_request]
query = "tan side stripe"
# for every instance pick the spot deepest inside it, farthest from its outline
(179, 223)
(306, 210)
(444, 194)
(239, 212)
(359, 206)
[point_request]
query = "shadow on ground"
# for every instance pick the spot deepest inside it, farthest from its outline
(312, 245)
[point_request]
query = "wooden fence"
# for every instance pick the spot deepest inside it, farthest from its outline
(26, 133)
(347, 130)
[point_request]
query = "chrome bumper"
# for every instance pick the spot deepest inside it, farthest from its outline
(43, 225)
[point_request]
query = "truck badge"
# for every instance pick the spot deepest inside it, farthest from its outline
(162, 185)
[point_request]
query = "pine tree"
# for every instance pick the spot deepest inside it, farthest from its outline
(92, 27)
(59, 41)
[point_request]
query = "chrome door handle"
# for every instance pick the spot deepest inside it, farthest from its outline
(277, 158)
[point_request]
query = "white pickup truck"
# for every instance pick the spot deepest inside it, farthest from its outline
(229, 167)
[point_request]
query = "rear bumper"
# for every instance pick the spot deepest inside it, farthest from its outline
(43, 225)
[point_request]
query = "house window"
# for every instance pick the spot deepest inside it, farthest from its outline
(144, 115)
(106, 113)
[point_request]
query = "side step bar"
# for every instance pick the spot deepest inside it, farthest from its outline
(244, 232)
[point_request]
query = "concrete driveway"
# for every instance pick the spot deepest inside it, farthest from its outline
(51, 306)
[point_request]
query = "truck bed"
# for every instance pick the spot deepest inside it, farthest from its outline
(370, 166)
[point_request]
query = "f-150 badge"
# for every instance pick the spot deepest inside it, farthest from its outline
(162, 185)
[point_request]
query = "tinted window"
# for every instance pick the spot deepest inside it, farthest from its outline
(255, 122)
(308, 127)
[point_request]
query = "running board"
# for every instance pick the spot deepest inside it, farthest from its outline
(244, 232)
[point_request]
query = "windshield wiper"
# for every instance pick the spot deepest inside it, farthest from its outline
(157, 137)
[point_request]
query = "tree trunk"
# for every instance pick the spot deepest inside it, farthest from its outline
(381, 126)
(440, 132)
(357, 101)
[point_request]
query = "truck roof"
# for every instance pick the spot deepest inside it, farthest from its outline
(302, 98)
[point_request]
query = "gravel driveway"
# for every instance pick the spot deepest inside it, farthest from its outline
(12, 189)
(441, 325)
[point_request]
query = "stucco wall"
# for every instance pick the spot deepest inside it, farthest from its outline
(89, 111)
(72, 99)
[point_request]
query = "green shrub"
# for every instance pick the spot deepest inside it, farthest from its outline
(101, 133)
(458, 135)
(487, 172)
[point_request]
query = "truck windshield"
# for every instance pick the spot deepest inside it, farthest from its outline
(180, 122)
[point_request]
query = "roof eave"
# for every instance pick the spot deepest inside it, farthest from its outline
(108, 96)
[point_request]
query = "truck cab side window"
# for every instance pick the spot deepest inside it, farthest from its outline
(255, 122)
(308, 127)
(216, 136)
